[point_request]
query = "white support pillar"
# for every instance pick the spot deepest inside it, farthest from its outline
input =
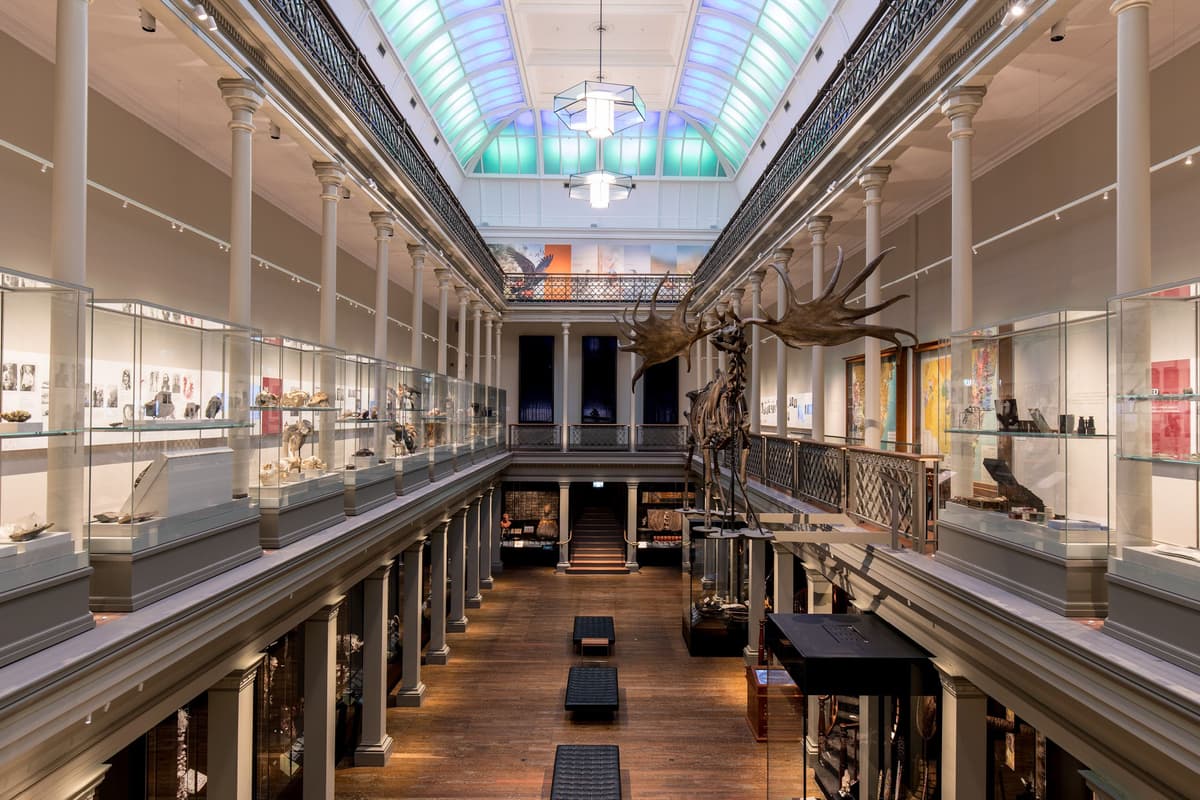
(487, 536)
(443, 278)
(464, 302)
(68, 182)
(375, 746)
(497, 510)
(476, 318)
(872, 181)
(756, 599)
(474, 597)
(438, 651)
(633, 403)
(499, 349)
(457, 559)
(231, 732)
(964, 739)
(331, 176)
(819, 600)
(412, 691)
(722, 312)
(783, 288)
(320, 670)
(488, 318)
(244, 98)
(631, 525)
(960, 104)
(818, 226)
(785, 580)
(709, 321)
(870, 725)
(564, 416)
(564, 525)
(755, 400)
(415, 357)
(1133, 144)
(384, 223)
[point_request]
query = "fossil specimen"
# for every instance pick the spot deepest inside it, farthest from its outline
(191, 411)
(658, 339)
(319, 400)
(24, 529)
(297, 398)
(296, 434)
(214, 407)
(312, 462)
(266, 399)
(18, 415)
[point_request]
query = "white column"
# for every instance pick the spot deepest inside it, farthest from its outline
(960, 104)
(375, 746)
(755, 400)
(1133, 144)
(384, 223)
(457, 560)
(476, 318)
(474, 597)
(487, 347)
(464, 302)
(499, 341)
(415, 358)
(244, 98)
(564, 416)
(709, 320)
(497, 510)
(320, 670)
(785, 580)
(870, 778)
(964, 739)
(68, 192)
(487, 536)
(332, 176)
(231, 732)
(438, 651)
(872, 180)
(817, 226)
(443, 278)
(631, 525)
(722, 311)
(412, 691)
(756, 599)
(819, 601)
(783, 286)
(633, 403)
(564, 525)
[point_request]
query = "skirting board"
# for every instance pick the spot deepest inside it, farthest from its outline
(1071, 587)
(129, 581)
(44, 613)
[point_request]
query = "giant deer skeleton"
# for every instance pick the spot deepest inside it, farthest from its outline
(718, 420)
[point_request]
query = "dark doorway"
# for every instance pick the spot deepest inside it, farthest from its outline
(535, 379)
(598, 398)
(609, 494)
(660, 395)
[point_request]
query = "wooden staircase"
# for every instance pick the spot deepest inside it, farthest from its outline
(597, 544)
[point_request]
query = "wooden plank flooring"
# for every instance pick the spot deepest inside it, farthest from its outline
(493, 715)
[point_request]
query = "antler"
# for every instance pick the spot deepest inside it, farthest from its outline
(828, 320)
(656, 338)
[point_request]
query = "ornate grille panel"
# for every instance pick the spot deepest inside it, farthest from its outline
(661, 437)
(534, 437)
(781, 463)
(874, 478)
(754, 462)
(615, 289)
(821, 471)
(598, 437)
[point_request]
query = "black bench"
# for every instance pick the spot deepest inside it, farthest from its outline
(587, 772)
(593, 628)
(592, 690)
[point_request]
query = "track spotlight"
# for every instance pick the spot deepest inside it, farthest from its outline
(1015, 13)
(345, 193)
(149, 23)
(202, 16)
(273, 129)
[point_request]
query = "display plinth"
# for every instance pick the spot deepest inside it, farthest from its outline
(44, 612)
(369, 488)
(294, 510)
(443, 462)
(412, 472)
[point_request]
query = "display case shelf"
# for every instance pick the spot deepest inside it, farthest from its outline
(1191, 462)
(1031, 434)
(38, 433)
(180, 425)
(370, 475)
(1160, 397)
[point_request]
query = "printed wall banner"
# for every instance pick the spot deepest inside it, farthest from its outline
(597, 258)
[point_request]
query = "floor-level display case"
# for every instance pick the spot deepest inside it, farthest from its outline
(300, 457)
(409, 445)
(1154, 557)
(45, 395)
(529, 523)
(1028, 507)
(173, 494)
(365, 427)
(715, 614)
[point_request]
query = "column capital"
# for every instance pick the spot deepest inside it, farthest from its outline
(564, 484)
(87, 787)
(477, 306)
(872, 180)
(443, 276)
(736, 295)
(418, 252)
(385, 224)
(957, 685)
(631, 484)
(781, 257)
(241, 676)
(381, 572)
(332, 176)
(416, 545)
(755, 278)
(1124, 5)
(326, 613)
(464, 295)
(960, 104)
(241, 95)
(491, 317)
(459, 514)
(818, 226)
(566, 328)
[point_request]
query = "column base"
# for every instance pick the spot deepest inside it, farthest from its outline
(810, 745)
(410, 698)
(375, 755)
(562, 567)
(439, 656)
(457, 625)
(475, 601)
(632, 566)
(486, 583)
(750, 654)
(497, 567)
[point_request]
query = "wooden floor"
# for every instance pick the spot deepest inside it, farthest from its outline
(493, 715)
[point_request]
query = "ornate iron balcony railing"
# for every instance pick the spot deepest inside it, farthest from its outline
(616, 289)
(896, 29)
(316, 29)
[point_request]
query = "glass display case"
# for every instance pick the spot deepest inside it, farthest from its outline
(715, 615)
(44, 453)
(300, 456)
(529, 523)
(1154, 566)
(492, 421)
(660, 522)
(365, 428)
(409, 447)
(440, 420)
(173, 494)
(463, 392)
(1028, 504)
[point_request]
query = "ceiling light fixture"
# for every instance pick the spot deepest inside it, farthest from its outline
(1015, 12)
(1187, 162)
(202, 16)
(149, 23)
(600, 186)
(600, 108)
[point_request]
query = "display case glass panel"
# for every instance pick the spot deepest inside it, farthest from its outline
(44, 455)
(412, 406)
(1029, 436)
(477, 424)
(440, 421)
(460, 421)
(172, 454)
(492, 412)
(295, 411)
(716, 616)
(1154, 343)
(366, 418)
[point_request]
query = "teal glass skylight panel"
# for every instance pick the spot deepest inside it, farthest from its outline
(513, 151)
(686, 153)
